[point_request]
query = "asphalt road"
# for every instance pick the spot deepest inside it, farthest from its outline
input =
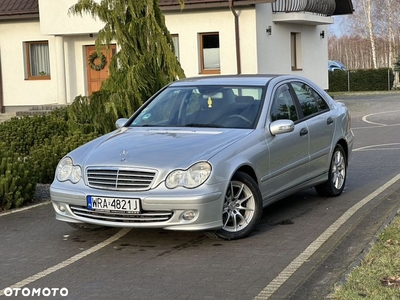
(303, 247)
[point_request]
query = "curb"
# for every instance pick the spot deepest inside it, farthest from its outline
(357, 262)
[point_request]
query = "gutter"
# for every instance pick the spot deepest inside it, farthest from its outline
(237, 38)
(19, 16)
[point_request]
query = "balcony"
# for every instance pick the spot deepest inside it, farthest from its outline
(308, 12)
(320, 7)
(201, 4)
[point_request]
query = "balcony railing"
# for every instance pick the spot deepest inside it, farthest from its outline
(321, 7)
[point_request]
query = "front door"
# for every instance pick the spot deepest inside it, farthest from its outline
(97, 67)
(288, 158)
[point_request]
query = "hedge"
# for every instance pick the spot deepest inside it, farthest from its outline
(361, 80)
(30, 150)
(17, 181)
(27, 132)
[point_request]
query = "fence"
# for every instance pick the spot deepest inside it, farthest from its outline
(361, 80)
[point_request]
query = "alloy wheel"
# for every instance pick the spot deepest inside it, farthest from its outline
(238, 207)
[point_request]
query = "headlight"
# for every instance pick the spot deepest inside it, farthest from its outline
(190, 178)
(67, 171)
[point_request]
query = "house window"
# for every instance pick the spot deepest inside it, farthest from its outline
(295, 47)
(37, 60)
(209, 53)
(175, 40)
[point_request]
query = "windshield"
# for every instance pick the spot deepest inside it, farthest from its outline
(203, 106)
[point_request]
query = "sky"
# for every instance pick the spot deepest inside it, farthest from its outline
(335, 28)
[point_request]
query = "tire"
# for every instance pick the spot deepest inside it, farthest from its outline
(85, 226)
(334, 186)
(242, 209)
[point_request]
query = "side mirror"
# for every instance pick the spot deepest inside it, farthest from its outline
(281, 126)
(121, 122)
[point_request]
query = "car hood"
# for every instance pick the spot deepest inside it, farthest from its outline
(157, 148)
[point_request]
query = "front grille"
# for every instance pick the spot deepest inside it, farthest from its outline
(144, 217)
(124, 179)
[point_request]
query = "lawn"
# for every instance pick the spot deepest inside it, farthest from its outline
(378, 275)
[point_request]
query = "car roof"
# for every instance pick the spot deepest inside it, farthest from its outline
(247, 80)
(335, 62)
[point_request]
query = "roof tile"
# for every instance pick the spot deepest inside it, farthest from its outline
(14, 8)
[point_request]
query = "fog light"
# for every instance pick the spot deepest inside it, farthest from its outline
(188, 215)
(61, 207)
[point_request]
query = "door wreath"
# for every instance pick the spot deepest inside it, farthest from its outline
(93, 65)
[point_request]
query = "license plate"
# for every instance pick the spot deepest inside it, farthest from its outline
(113, 204)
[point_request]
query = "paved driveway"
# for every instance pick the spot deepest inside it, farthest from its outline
(302, 247)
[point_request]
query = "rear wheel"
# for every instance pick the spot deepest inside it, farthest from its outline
(242, 208)
(337, 175)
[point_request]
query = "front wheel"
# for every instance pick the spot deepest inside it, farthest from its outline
(242, 208)
(334, 186)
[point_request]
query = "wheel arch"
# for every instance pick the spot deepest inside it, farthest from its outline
(249, 206)
(249, 171)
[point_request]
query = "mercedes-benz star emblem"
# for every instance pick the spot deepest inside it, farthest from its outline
(123, 155)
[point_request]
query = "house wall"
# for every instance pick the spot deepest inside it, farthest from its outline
(76, 32)
(274, 51)
(56, 20)
(260, 52)
(223, 22)
(75, 67)
(68, 35)
(17, 91)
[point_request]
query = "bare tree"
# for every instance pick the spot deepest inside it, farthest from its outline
(370, 40)
(370, 26)
(387, 23)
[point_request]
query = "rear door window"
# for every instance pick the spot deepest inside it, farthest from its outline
(310, 101)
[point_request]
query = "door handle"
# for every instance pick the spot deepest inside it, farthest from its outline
(303, 132)
(329, 121)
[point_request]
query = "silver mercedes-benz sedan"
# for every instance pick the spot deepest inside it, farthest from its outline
(208, 154)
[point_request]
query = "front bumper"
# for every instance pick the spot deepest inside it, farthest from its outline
(160, 208)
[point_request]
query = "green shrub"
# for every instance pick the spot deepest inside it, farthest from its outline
(17, 181)
(44, 158)
(361, 80)
(80, 117)
(338, 81)
(32, 146)
(95, 114)
(27, 132)
(30, 150)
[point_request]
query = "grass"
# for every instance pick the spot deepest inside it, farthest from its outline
(378, 275)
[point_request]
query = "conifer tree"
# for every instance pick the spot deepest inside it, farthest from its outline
(145, 60)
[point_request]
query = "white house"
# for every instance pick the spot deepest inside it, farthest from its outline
(45, 52)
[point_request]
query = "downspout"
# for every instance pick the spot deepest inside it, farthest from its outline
(237, 38)
(1, 91)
